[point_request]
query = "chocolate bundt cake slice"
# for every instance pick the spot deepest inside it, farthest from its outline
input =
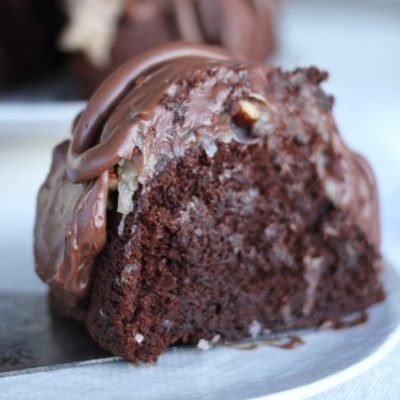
(204, 198)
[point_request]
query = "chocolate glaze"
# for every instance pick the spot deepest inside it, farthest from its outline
(91, 153)
(70, 228)
(123, 120)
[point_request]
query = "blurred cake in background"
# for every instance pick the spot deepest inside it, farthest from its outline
(28, 45)
(102, 34)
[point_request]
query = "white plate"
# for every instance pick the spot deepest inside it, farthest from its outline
(327, 358)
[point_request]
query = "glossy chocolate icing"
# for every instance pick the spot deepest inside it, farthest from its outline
(70, 228)
(94, 149)
(123, 120)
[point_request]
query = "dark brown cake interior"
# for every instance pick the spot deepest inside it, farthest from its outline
(226, 246)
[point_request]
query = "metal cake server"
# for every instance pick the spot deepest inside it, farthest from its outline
(34, 338)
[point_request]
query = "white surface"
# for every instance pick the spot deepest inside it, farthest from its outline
(37, 119)
(326, 359)
(359, 45)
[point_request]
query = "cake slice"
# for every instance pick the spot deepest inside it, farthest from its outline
(206, 199)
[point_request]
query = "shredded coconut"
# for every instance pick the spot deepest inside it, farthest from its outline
(286, 312)
(102, 314)
(129, 268)
(139, 338)
(333, 190)
(198, 232)
(209, 146)
(312, 275)
(330, 231)
(166, 323)
(204, 345)
(128, 183)
(255, 328)
(215, 339)
(264, 125)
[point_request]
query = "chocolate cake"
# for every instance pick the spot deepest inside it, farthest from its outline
(205, 199)
(28, 44)
(104, 34)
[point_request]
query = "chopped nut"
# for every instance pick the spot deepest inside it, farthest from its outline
(112, 180)
(247, 113)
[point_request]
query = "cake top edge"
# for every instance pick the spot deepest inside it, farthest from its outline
(88, 157)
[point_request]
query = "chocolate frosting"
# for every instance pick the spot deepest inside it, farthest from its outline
(124, 120)
(70, 228)
(94, 150)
